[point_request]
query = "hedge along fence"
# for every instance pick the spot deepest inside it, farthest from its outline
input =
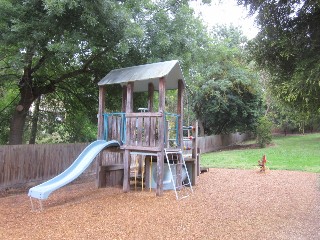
(30, 164)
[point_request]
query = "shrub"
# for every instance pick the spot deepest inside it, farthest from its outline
(263, 131)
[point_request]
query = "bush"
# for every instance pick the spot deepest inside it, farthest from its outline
(263, 131)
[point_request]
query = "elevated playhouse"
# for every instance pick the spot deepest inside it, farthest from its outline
(150, 131)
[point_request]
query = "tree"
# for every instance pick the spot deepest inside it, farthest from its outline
(287, 46)
(53, 42)
(225, 91)
(59, 50)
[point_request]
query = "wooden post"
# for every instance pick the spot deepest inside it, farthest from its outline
(195, 154)
(166, 137)
(126, 156)
(160, 155)
(102, 94)
(160, 167)
(180, 128)
(195, 147)
(150, 96)
(180, 112)
(124, 98)
(99, 175)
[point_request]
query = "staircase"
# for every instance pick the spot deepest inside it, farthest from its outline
(180, 180)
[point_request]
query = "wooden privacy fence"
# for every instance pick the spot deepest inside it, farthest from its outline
(22, 164)
(216, 142)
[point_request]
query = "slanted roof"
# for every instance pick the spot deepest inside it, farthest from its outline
(144, 74)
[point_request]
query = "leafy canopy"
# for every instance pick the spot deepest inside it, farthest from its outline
(59, 50)
(287, 46)
(226, 95)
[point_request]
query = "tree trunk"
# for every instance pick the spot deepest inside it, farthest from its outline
(20, 114)
(29, 92)
(18, 121)
(35, 118)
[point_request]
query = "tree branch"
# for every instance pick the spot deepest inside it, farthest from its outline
(49, 88)
(82, 70)
(39, 64)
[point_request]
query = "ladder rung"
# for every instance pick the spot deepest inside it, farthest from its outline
(173, 151)
(184, 197)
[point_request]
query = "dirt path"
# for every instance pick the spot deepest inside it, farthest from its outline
(226, 204)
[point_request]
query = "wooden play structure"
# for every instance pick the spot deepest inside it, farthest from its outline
(150, 132)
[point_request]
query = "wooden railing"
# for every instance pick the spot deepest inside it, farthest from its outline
(142, 130)
(114, 127)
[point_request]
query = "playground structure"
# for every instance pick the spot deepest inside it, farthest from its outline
(151, 130)
(151, 133)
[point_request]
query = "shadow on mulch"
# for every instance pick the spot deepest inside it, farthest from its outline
(6, 192)
(23, 188)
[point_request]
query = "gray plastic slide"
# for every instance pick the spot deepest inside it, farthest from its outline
(43, 190)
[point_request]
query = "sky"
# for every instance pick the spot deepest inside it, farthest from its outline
(226, 12)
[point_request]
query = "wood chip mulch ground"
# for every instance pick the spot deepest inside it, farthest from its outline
(226, 204)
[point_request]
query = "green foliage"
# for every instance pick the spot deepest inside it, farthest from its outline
(61, 49)
(78, 128)
(287, 46)
(285, 116)
(263, 131)
(50, 44)
(225, 92)
(290, 120)
(8, 96)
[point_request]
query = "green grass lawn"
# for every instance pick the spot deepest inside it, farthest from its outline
(296, 152)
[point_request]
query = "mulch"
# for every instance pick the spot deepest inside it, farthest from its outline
(226, 204)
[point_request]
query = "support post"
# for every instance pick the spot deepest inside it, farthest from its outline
(180, 129)
(102, 94)
(160, 167)
(160, 156)
(126, 156)
(195, 147)
(124, 98)
(180, 112)
(150, 96)
(99, 175)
